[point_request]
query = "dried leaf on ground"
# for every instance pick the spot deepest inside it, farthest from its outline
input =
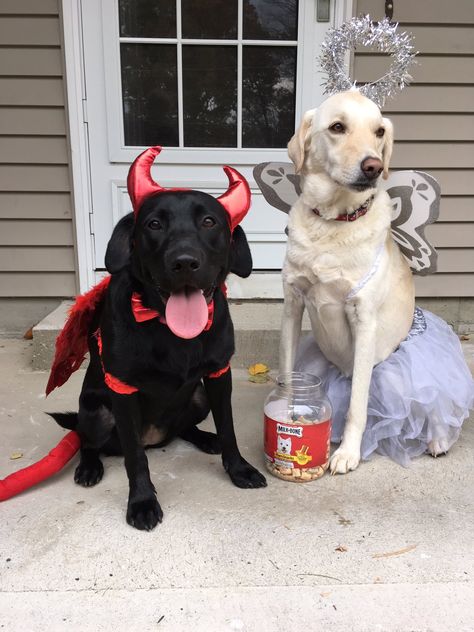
(341, 548)
(16, 455)
(258, 369)
(258, 373)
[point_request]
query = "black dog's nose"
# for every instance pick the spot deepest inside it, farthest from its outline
(185, 263)
(371, 167)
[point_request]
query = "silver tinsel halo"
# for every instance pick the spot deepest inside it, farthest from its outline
(363, 32)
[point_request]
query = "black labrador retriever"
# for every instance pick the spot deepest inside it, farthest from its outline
(160, 343)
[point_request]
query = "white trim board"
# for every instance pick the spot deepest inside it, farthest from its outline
(79, 158)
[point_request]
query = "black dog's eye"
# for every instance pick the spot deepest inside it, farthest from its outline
(337, 128)
(380, 132)
(155, 225)
(208, 222)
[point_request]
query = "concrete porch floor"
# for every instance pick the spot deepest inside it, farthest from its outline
(381, 549)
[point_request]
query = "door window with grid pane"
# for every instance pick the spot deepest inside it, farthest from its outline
(214, 74)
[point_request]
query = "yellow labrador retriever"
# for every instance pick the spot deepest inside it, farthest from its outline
(342, 263)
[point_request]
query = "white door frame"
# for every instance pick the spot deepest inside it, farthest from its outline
(259, 285)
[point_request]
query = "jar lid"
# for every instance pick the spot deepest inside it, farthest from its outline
(298, 382)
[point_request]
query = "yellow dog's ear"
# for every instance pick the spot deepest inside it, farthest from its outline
(388, 146)
(298, 143)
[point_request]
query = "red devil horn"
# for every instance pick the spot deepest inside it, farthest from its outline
(139, 182)
(236, 200)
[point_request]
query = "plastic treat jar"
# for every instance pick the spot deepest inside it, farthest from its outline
(297, 428)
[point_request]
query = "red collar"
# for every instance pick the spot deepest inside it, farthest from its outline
(351, 217)
(142, 313)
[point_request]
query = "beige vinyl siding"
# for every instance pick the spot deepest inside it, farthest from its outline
(20, 284)
(35, 205)
(37, 258)
(434, 125)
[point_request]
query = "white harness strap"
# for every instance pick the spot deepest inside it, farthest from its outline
(366, 278)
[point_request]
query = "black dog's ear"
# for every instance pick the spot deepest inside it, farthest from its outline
(240, 257)
(120, 245)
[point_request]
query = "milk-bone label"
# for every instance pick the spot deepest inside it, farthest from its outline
(297, 445)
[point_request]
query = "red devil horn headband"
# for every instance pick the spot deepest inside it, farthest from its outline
(141, 186)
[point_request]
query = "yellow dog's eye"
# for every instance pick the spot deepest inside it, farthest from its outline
(337, 128)
(380, 132)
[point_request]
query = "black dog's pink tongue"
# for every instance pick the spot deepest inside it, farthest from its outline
(186, 313)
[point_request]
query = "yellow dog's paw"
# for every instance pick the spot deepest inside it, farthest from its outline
(437, 447)
(344, 460)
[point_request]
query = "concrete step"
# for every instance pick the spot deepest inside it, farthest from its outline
(256, 324)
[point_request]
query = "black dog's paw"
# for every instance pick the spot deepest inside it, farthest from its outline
(144, 514)
(245, 475)
(89, 473)
(207, 442)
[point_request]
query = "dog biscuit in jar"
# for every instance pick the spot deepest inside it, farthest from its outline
(297, 428)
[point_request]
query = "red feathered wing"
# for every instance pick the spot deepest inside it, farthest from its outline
(71, 344)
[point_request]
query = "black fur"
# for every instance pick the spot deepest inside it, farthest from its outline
(174, 394)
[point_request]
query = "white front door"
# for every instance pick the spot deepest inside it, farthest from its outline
(215, 82)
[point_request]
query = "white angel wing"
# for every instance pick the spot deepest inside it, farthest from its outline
(416, 198)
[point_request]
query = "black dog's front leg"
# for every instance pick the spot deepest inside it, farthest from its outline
(143, 511)
(219, 391)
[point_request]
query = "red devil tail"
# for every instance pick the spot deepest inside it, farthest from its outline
(71, 344)
(40, 471)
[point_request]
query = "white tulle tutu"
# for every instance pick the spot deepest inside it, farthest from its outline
(421, 392)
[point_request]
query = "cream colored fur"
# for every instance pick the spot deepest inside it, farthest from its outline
(326, 259)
